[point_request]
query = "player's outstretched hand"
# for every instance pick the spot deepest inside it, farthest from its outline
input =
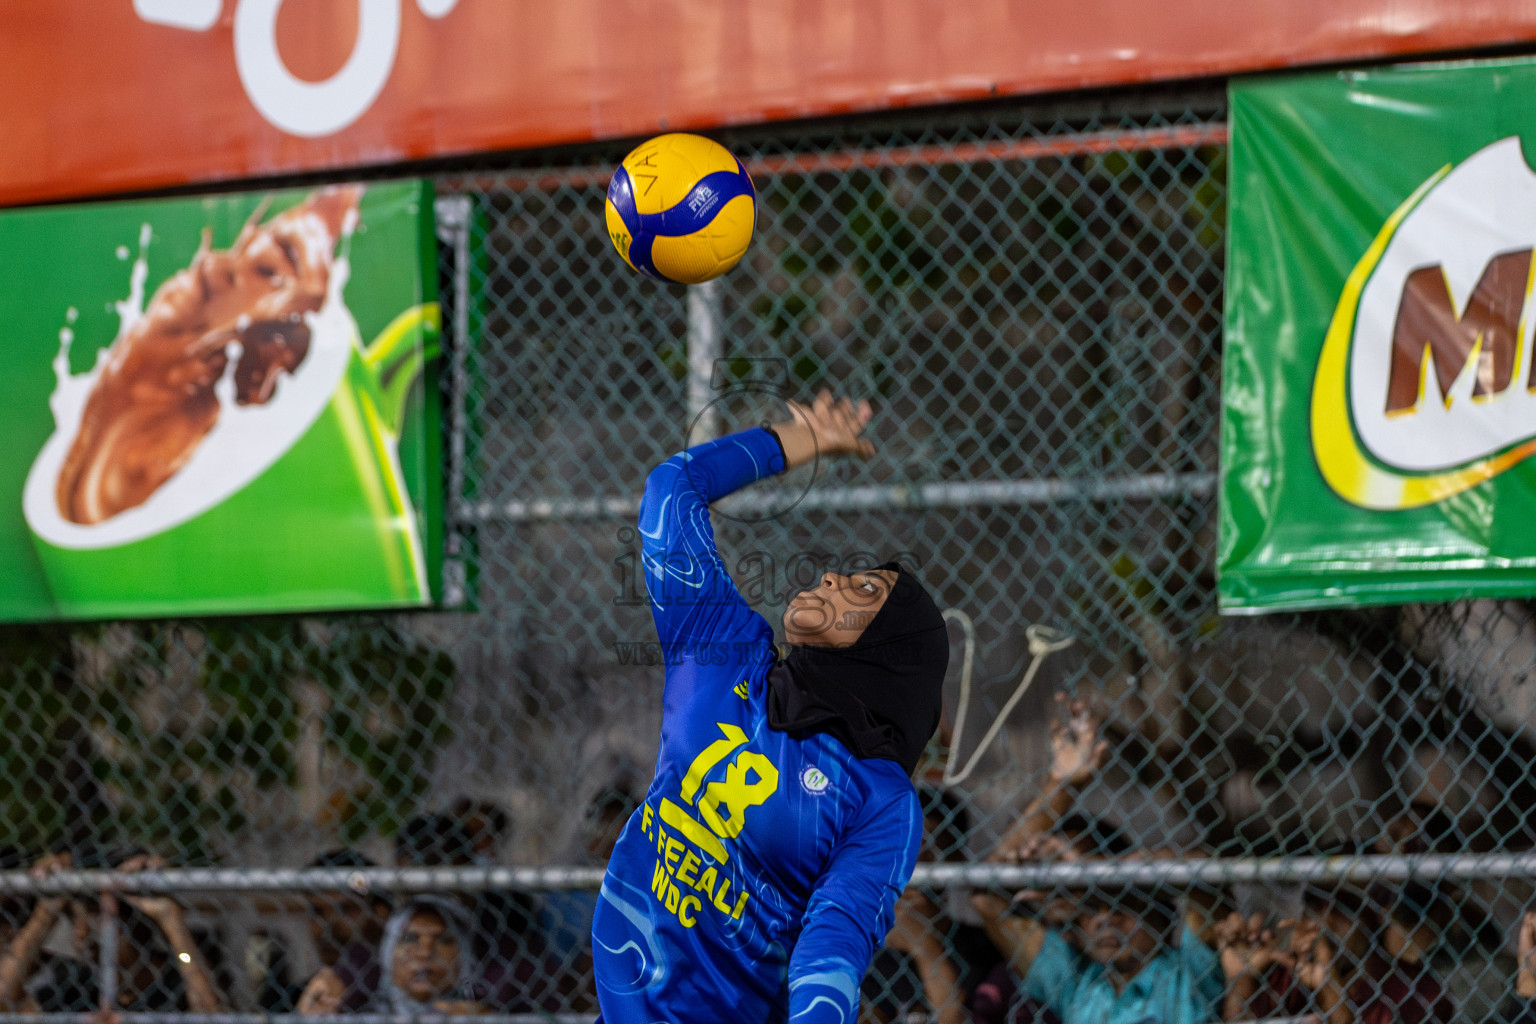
(826, 428)
(836, 424)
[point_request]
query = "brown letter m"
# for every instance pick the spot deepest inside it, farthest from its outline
(1427, 325)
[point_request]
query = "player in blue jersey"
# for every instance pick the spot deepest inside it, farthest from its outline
(760, 874)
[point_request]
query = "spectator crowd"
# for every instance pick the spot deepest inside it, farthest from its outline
(1073, 954)
(492, 951)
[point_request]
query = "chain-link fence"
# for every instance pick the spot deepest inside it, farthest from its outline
(1032, 299)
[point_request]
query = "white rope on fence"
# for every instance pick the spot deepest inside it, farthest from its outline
(1043, 642)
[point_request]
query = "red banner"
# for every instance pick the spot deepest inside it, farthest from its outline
(116, 95)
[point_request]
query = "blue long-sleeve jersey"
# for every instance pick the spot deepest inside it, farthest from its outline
(761, 873)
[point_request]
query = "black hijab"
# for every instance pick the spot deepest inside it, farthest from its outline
(879, 697)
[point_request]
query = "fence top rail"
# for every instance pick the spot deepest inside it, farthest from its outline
(950, 494)
(1213, 871)
(357, 1018)
(875, 158)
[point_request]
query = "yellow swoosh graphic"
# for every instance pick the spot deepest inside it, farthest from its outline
(1346, 468)
(703, 838)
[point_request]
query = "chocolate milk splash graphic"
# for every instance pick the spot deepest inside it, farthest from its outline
(233, 324)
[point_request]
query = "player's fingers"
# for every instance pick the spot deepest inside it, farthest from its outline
(866, 448)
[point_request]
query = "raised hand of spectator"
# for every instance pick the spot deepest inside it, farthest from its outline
(915, 916)
(459, 1007)
(322, 996)
(1052, 908)
(1077, 752)
(916, 933)
(1247, 951)
(21, 955)
(1246, 947)
(203, 995)
(1077, 755)
(159, 909)
(1313, 954)
(1037, 846)
(1525, 980)
(1041, 846)
(989, 905)
(47, 865)
(1316, 967)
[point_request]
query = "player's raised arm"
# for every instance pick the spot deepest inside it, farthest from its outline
(692, 596)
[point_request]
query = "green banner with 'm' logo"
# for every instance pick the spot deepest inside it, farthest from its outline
(1379, 379)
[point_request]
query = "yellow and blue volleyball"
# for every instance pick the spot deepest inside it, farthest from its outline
(681, 208)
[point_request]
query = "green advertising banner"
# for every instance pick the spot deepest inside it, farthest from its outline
(1379, 386)
(220, 404)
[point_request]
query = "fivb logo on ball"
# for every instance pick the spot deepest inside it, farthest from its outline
(1426, 385)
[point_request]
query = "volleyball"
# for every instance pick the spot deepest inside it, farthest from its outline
(681, 209)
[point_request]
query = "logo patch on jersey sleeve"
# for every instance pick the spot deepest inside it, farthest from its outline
(814, 781)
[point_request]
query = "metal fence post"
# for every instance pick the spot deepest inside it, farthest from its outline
(705, 346)
(107, 954)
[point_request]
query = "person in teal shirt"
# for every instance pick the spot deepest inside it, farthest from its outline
(1139, 961)
(1131, 970)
